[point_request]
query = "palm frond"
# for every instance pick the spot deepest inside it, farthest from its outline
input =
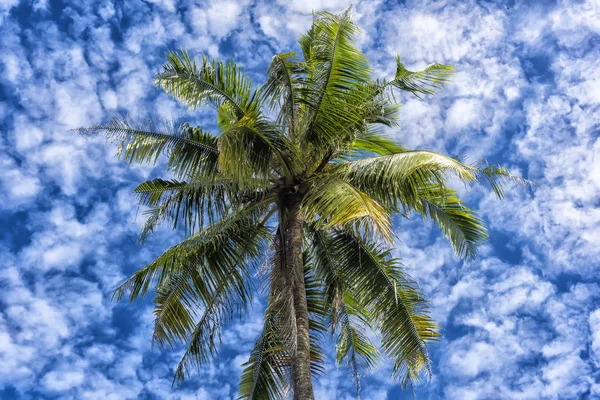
(266, 373)
(347, 317)
(216, 83)
(340, 77)
(334, 202)
(282, 89)
(252, 147)
(425, 81)
(376, 143)
(190, 150)
(498, 177)
(399, 312)
(206, 333)
(214, 250)
(395, 180)
(191, 203)
(460, 224)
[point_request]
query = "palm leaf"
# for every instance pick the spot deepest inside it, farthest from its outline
(398, 311)
(216, 83)
(190, 150)
(426, 81)
(334, 202)
(395, 180)
(338, 82)
(460, 224)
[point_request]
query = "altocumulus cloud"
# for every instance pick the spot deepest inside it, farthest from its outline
(520, 322)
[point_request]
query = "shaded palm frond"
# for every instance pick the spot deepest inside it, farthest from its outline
(347, 317)
(397, 309)
(190, 150)
(282, 89)
(253, 148)
(213, 251)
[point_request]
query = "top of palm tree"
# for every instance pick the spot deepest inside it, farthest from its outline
(232, 192)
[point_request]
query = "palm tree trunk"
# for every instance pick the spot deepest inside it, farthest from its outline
(301, 375)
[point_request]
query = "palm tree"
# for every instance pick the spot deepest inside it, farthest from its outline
(297, 194)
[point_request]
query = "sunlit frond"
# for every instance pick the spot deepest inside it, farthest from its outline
(395, 180)
(463, 228)
(376, 143)
(338, 82)
(334, 202)
(498, 177)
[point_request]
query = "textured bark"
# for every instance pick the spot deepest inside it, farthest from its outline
(301, 375)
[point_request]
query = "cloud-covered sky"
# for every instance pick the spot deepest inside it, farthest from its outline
(522, 321)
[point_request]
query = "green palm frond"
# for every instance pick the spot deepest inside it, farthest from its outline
(190, 150)
(206, 333)
(425, 81)
(282, 89)
(463, 228)
(398, 311)
(252, 147)
(215, 83)
(209, 248)
(266, 373)
(334, 202)
(188, 203)
(353, 346)
(346, 315)
(376, 143)
(395, 179)
(340, 76)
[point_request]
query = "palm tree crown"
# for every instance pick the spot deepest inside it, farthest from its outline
(298, 188)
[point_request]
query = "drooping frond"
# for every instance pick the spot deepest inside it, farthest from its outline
(265, 375)
(317, 315)
(215, 83)
(334, 202)
(398, 310)
(347, 317)
(425, 81)
(190, 150)
(353, 346)
(206, 333)
(463, 228)
(214, 250)
(395, 180)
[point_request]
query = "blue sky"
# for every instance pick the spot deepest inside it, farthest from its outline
(522, 321)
